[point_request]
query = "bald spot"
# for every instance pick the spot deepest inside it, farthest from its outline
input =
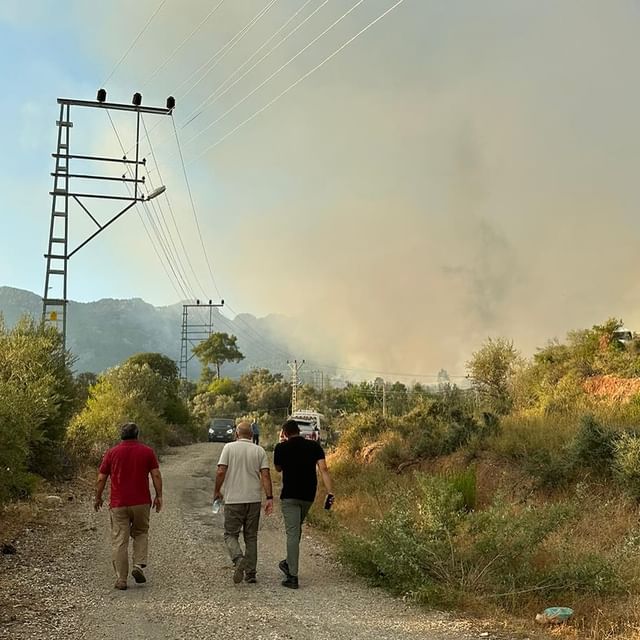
(244, 430)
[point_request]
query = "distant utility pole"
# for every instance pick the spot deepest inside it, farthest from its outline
(54, 300)
(295, 367)
(384, 399)
(193, 334)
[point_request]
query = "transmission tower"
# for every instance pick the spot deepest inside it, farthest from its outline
(54, 300)
(193, 334)
(295, 367)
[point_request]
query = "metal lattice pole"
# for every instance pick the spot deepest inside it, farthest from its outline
(193, 334)
(295, 369)
(55, 298)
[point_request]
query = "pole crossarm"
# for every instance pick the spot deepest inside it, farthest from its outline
(123, 160)
(116, 106)
(86, 176)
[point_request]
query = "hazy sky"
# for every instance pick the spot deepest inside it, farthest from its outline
(462, 169)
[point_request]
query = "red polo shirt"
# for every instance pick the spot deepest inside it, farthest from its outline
(129, 465)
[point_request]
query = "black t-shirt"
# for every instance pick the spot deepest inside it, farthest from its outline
(297, 458)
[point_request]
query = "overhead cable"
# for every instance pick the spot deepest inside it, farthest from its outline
(293, 85)
(179, 47)
(275, 73)
(223, 51)
(135, 40)
(193, 207)
(222, 90)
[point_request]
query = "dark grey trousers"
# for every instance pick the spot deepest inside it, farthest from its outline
(294, 512)
(245, 518)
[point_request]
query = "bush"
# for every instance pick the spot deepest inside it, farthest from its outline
(37, 399)
(130, 392)
(432, 545)
(627, 463)
(593, 445)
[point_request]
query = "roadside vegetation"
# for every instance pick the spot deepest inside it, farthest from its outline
(514, 495)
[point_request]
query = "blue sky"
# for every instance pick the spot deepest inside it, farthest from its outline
(463, 169)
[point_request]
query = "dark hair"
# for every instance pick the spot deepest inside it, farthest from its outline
(129, 431)
(291, 428)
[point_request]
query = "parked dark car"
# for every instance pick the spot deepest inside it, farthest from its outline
(222, 430)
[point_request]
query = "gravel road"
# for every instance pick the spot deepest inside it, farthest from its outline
(60, 584)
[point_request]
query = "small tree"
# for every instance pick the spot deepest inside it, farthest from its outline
(491, 369)
(217, 349)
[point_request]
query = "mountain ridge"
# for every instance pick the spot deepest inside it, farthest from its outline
(103, 333)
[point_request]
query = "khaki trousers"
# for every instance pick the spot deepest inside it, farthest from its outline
(129, 522)
(245, 518)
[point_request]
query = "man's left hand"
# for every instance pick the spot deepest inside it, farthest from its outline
(268, 507)
(97, 503)
(157, 503)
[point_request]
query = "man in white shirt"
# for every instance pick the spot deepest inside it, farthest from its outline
(243, 471)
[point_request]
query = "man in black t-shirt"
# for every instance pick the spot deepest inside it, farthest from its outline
(297, 459)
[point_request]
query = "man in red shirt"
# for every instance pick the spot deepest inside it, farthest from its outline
(129, 465)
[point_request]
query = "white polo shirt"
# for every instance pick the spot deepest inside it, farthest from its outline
(244, 461)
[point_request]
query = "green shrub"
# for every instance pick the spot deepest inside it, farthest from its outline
(36, 401)
(593, 445)
(627, 463)
(431, 544)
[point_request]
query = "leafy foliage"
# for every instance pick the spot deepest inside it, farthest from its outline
(217, 349)
(36, 401)
(133, 392)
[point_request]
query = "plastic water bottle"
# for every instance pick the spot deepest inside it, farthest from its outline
(217, 505)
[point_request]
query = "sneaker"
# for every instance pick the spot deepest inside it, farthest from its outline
(291, 582)
(121, 585)
(283, 565)
(250, 579)
(238, 573)
(138, 574)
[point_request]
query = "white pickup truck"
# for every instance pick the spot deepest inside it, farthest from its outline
(310, 423)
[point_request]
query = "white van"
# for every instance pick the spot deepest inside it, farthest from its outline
(310, 423)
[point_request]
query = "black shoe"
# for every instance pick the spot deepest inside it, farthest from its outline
(283, 565)
(238, 571)
(138, 574)
(291, 582)
(250, 579)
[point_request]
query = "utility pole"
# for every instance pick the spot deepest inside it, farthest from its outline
(54, 300)
(295, 367)
(193, 334)
(384, 399)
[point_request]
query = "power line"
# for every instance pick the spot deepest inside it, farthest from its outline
(171, 211)
(383, 373)
(275, 73)
(228, 46)
(182, 285)
(292, 85)
(246, 62)
(135, 40)
(216, 94)
(177, 49)
(193, 208)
